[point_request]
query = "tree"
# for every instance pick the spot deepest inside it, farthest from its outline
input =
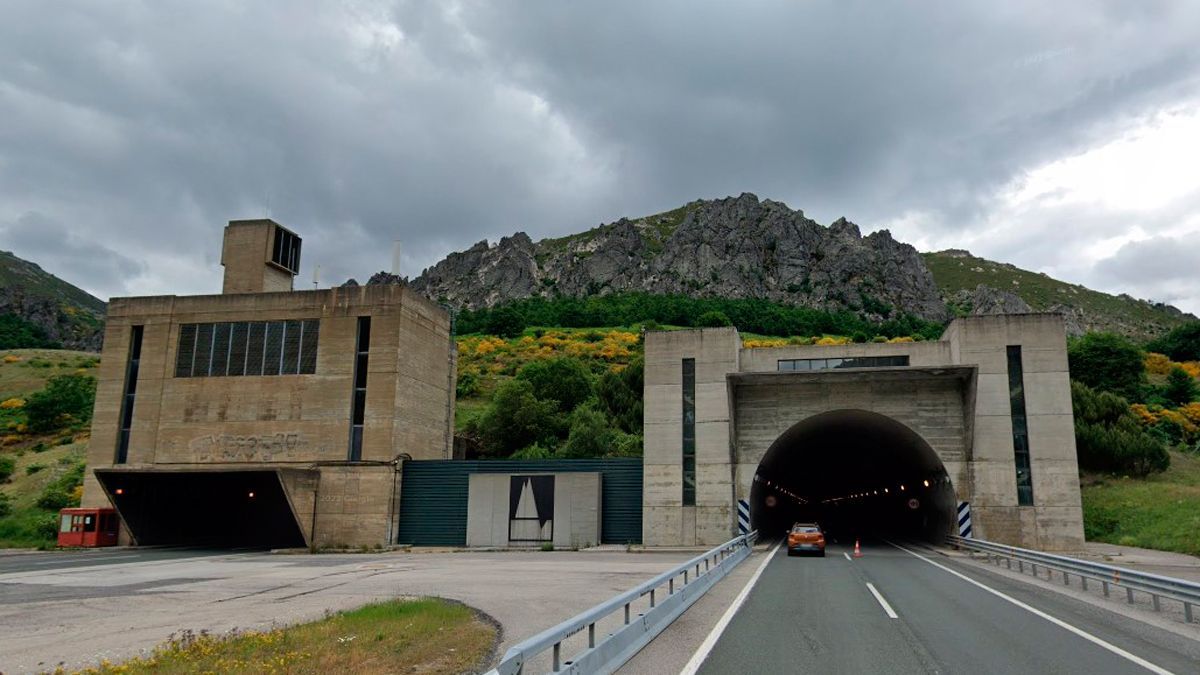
(505, 322)
(713, 319)
(516, 419)
(1107, 362)
(66, 399)
(620, 396)
(1181, 344)
(1181, 388)
(590, 436)
(565, 381)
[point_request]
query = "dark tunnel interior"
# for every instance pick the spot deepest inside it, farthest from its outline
(857, 474)
(212, 509)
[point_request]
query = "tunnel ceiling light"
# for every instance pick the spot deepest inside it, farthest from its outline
(902, 487)
(926, 482)
(885, 489)
(251, 495)
(120, 491)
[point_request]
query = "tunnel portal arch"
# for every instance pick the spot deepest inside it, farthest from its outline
(857, 472)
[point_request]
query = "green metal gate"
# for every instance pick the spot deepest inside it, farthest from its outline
(433, 496)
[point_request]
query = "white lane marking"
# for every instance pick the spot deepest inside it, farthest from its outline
(706, 647)
(1058, 622)
(847, 556)
(887, 609)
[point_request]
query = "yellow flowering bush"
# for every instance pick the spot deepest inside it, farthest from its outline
(13, 404)
(1159, 364)
(11, 358)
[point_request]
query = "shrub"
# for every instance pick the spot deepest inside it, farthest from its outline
(5, 504)
(565, 381)
(8, 465)
(535, 451)
(34, 468)
(18, 333)
(1180, 388)
(1108, 362)
(467, 384)
(1181, 344)
(66, 399)
(1108, 437)
(53, 499)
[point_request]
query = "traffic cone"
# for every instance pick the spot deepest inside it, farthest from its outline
(857, 550)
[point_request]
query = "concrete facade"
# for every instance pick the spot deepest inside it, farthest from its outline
(954, 394)
(270, 422)
(576, 511)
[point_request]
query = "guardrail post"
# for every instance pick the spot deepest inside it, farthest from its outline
(591, 636)
(1129, 595)
(1105, 583)
(627, 614)
(651, 598)
(1187, 612)
(1066, 579)
(1156, 607)
(557, 656)
(1021, 566)
(1083, 582)
(671, 587)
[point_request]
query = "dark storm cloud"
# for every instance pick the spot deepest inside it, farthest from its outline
(144, 126)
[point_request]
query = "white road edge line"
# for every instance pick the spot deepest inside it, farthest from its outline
(847, 556)
(882, 603)
(1058, 622)
(706, 647)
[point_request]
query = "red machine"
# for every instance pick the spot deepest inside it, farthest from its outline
(88, 527)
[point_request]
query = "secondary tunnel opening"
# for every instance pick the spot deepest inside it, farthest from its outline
(210, 509)
(857, 473)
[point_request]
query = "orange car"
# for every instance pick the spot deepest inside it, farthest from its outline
(806, 537)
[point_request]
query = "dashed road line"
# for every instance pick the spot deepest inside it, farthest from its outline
(887, 609)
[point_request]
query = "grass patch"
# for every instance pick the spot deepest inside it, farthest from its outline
(427, 635)
(24, 371)
(1159, 512)
(29, 526)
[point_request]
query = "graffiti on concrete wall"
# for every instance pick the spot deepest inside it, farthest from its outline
(249, 448)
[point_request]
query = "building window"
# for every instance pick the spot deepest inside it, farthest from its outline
(689, 432)
(285, 250)
(1020, 428)
(358, 405)
(131, 376)
(848, 362)
(248, 348)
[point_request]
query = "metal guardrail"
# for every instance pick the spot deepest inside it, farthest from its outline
(1180, 590)
(607, 653)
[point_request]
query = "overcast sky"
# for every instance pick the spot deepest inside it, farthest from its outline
(1062, 137)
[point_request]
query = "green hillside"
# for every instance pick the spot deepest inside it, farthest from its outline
(65, 314)
(39, 472)
(1087, 310)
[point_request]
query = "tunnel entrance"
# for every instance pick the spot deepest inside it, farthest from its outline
(218, 509)
(856, 473)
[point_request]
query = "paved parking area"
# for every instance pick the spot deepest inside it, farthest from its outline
(74, 609)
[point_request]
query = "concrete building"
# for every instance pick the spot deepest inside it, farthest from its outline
(862, 436)
(266, 415)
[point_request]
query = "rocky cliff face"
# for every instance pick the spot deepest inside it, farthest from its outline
(68, 315)
(739, 247)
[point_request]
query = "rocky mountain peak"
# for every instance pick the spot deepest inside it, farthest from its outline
(736, 247)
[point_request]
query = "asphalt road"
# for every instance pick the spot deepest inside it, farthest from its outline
(55, 560)
(819, 615)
